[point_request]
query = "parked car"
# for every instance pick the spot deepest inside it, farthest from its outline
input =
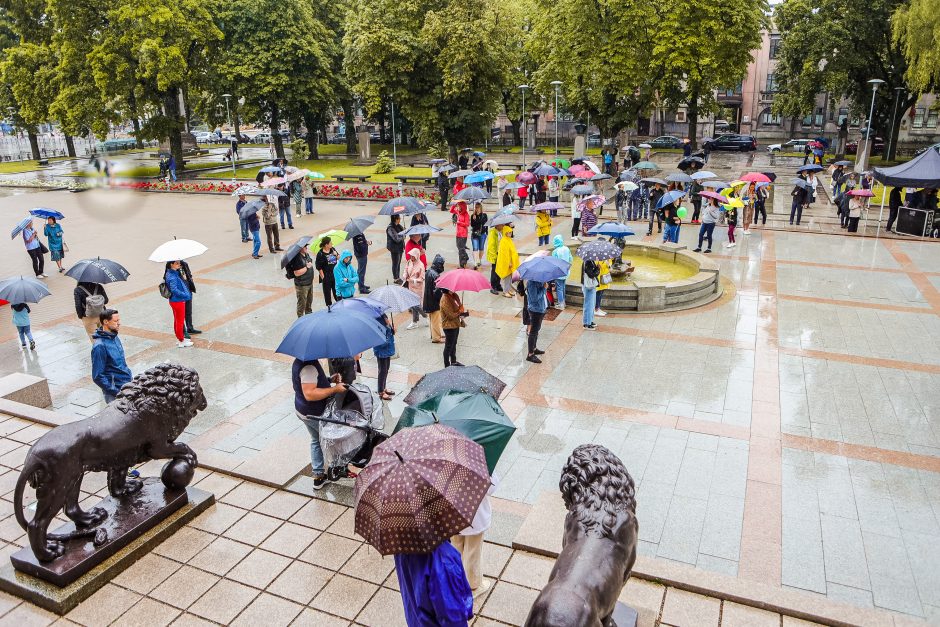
(877, 145)
(337, 139)
(666, 141)
(594, 139)
(733, 141)
(794, 145)
(123, 143)
(935, 147)
(205, 137)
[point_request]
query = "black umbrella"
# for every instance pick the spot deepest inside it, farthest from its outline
(23, 290)
(98, 270)
(598, 250)
(471, 193)
(250, 209)
(401, 205)
(294, 249)
(457, 378)
(358, 226)
(771, 175)
(446, 168)
(653, 181)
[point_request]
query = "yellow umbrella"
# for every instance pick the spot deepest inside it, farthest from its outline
(336, 236)
(737, 203)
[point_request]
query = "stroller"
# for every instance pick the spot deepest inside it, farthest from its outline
(350, 429)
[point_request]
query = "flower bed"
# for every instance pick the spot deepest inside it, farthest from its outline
(44, 183)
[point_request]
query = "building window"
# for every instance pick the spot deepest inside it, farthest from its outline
(774, 46)
(919, 117)
(680, 116)
(932, 118)
(767, 118)
(819, 116)
(843, 114)
(771, 83)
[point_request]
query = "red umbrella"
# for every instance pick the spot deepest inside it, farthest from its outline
(525, 177)
(864, 193)
(755, 177)
(422, 486)
(463, 280)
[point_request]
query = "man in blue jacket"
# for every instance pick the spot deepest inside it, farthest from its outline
(109, 369)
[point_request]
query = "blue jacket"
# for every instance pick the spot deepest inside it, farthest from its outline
(434, 588)
(387, 349)
(109, 369)
(179, 291)
(535, 296)
(345, 276)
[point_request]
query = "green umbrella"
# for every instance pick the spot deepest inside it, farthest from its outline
(477, 415)
(336, 236)
(561, 163)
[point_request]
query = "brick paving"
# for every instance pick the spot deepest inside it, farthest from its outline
(784, 434)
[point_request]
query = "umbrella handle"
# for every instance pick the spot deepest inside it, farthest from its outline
(400, 458)
(436, 420)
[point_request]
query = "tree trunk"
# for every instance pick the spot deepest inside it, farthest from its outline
(349, 116)
(452, 152)
(171, 105)
(693, 118)
(238, 134)
(34, 144)
(135, 119)
(903, 106)
(69, 145)
(516, 132)
(313, 122)
(276, 131)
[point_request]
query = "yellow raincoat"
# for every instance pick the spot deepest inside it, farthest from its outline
(507, 260)
(492, 244)
(543, 224)
(605, 269)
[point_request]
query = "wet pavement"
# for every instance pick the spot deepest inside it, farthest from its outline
(785, 434)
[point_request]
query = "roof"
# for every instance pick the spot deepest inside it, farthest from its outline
(921, 171)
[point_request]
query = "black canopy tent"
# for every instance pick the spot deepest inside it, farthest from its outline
(923, 171)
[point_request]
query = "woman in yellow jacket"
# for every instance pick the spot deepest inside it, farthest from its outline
(602, 287)
(507, 261)
(543, 227)
(492, 252)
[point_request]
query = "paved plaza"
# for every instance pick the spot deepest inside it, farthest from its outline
(785, 437)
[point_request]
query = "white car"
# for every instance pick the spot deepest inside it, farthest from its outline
(205, 137)
(794, 145)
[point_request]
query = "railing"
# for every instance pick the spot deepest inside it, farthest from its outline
(767, 96)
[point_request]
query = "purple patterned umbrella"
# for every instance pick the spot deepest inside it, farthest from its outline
(422, 486)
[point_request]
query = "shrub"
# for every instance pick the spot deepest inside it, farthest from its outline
(300, 149)
(385, 164)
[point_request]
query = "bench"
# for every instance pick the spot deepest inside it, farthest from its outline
(362, 178)
(427, 180)
(43, 162)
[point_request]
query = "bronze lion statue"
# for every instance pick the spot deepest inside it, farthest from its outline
(599, 545)
(141, 424)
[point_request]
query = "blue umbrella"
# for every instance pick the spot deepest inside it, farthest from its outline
(507, 210)
(362, 305)
(23, 290)
(421, 229)
(471, 193)
(270, 168)
(477, 153)
(401, 205)
(478, 177)
(703, 174)
(545, 170)
(669, 198)
(44, 213)
(98, 270)
(544, 269)
(20, 226)
(331, 332)
(611, 229)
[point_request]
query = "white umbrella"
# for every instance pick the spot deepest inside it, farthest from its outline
(490, 162)
(177, 249)
(645, 146)
(593, 166)
(244, 190)
(504, 172)
(299, 174)
(271, 182)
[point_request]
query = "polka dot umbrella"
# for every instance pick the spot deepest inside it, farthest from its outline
(422, 486)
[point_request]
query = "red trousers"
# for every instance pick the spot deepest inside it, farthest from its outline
(179, 318)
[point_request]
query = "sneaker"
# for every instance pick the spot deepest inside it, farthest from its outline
(648, 233)
(708, 250)
(590, 326)
(600, 312)
(291, 227)
(40, 276)
(194, 331)
(319, 482)
(411, 325)
(185, 343)
(456, 363)
(257, 256)
(398, 281)
(483, 589)
(23, 345)
(696, 250)
(533, 359)
(538, 351)
(365, 290)
(32, 345)
(496, 292)
(732, 244)
(747, 232)
(727, 244)
(279, 249)
(61, 269)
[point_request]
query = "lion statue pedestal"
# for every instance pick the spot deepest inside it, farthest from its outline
(598, 546)
(141, 424)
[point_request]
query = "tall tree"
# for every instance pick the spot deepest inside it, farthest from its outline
(917, 29)
(839, 45)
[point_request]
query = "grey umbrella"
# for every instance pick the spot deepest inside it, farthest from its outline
(715, 184)
(601, 177)
(98, 270)
(801, 183)
(455, 378)
(506, 218)
(250, 209)
(471, 193)
(446, 168)
(358, 226)
(421, 229)
(652, 180)
(679, 177)
(294, 249)
(265, 191)
(582, 190)
(396, 298)
(22, 289)
(459, 174)
(513, 185)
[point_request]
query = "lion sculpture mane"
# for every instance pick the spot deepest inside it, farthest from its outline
(599, 543)
(141, 424)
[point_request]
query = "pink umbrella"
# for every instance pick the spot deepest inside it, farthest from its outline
(526, 178)
(576, 169)
(755, 177)
(586, 174)
(463, 280)
(596, 200)
(864, 193)
(297, 174)
(714, 196)
(271, 182)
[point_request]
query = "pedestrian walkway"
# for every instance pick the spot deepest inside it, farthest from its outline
(785, 434)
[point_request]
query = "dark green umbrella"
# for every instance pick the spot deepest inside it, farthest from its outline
(477, 415)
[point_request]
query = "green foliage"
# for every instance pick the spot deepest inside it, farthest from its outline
(916, 29)
(384, 164)
(300, 149)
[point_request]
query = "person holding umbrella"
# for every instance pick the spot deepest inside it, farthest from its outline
(798, 195)
(710, 217)
(492, 255)
(414, 277)
(254, 227)
(654, 195)
(325, 264)
(242, 222)
(507, 261)
(361, 249)
(588, 217)
(432, 299)
(537, 304)
(452, 319)
(395, 244)
(478, 233)
(269, 214)
(34, 247)
(590, 280)
(90, 300)
(21, 322)
(462, 232)
(53, 233)
(179, 295)
(109, 369)
(383, 358)
(301, 268)
(419, 219)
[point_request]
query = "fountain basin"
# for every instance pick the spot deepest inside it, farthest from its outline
(668, 277)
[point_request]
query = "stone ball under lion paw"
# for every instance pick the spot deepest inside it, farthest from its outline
(177, 474)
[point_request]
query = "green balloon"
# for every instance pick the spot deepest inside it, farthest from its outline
(682, 212)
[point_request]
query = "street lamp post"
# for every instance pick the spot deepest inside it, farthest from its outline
(557, 85)
(394, 139)
(525, 125)
(875, 82)
(231, 129)
(893, 138)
